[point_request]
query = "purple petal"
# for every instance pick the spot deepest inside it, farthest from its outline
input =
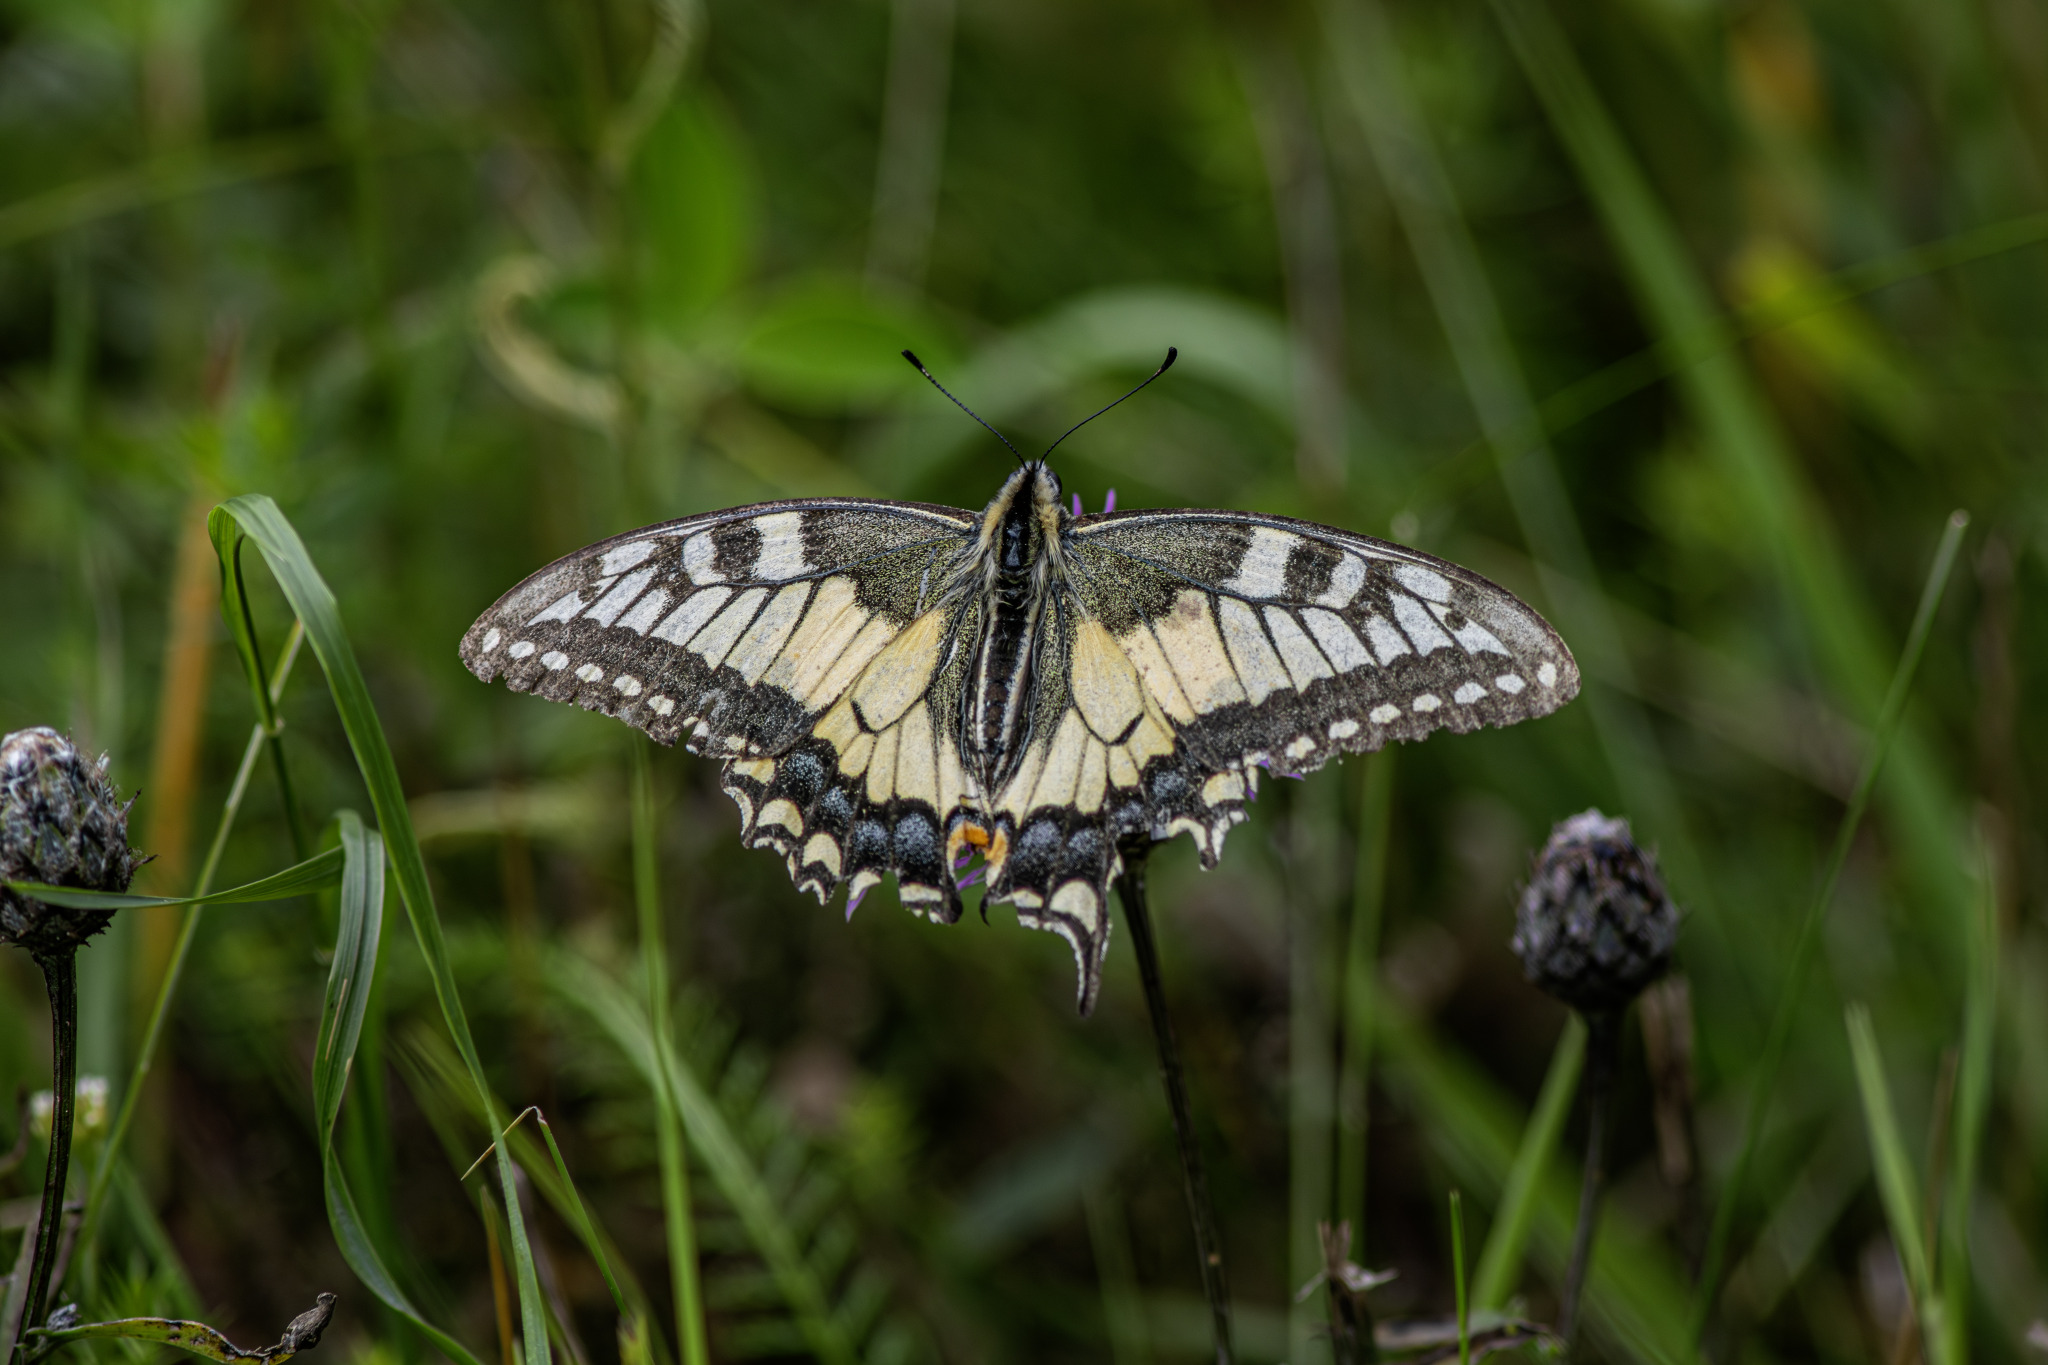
(971, 879)
(1077, 504)
(1109, 503)
(853, 904)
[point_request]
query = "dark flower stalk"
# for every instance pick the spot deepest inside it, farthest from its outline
(61, 824)
(1593, 929)
(1130, 890)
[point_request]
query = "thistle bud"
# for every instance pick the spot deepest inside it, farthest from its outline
(1594, 926)
(60, 823)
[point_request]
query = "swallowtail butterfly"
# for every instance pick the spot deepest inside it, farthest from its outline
(896, 687)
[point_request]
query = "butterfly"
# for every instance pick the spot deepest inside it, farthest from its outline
(899, 688)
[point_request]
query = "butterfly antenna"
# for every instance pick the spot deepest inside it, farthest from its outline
(1172, 354)
(919, 364)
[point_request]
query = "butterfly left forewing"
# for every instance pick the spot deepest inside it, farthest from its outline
(790, 639)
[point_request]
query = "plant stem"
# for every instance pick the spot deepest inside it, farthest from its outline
(1130, 889)
(1603, 1045)
(675, 1167)
(60, 977)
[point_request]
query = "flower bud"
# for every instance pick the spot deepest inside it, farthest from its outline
(62, 824)
(1594, 926)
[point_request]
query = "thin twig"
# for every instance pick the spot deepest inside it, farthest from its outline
(60, 976)
(1603, 1044)
(1130, 889)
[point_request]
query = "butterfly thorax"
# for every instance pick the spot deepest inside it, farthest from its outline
(1009, 568)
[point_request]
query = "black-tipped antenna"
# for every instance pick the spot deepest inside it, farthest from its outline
(1172, 354)
(919, 364)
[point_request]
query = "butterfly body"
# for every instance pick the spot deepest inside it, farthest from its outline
(895, 688)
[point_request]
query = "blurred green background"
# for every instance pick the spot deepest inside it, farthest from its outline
(1689, 320)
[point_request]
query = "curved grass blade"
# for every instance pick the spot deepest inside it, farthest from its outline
(612, 1006)
(1500, 1257)
(260, 520)
(341, 1025)
(322, 869)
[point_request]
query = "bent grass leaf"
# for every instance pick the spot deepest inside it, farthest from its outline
(257, 517)
(320, 870)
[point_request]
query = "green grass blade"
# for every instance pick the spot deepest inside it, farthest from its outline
(235, 610)
(1895, 1182)
(1458, 1279)
(1500, 1258)
(1765, 1077)
(1973, 1102)
(349, 979)
(677, 1220)
(314, 604)
(322, 869)
(612, 1008)
(1360, 981)
(580, 1219)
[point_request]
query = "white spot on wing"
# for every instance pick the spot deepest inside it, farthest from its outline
(1301, 747)
(554, 660)
(491, 638)
(660, 705)
(1263, 570)
(1304, 662)
(1345, 581)
(1476, 639)
(590, 673)
(627, 684)
(1338, 640)
(765, 639)
(1384, 712)
(1343, 729)
(1417, 624)
(781, 555)
(1510, 683)
(1388, 644)
(1468, 693)
(561, 609)
(1427, 701)
(715, 640)
(622, 595)
(1258, 667)
(1546, 673)
(698, 555)
(645, 612)
(686, 620)
(522, 648)
(1423, 582)
(620, 558)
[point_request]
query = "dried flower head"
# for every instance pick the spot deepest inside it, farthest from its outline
(62, 824)
(1594, 926)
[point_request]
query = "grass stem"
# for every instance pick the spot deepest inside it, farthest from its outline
(675, 1165)
(1458, 1278)
(60, 977)
(1130, 888)
(1603, 1047)
(1808, 942)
